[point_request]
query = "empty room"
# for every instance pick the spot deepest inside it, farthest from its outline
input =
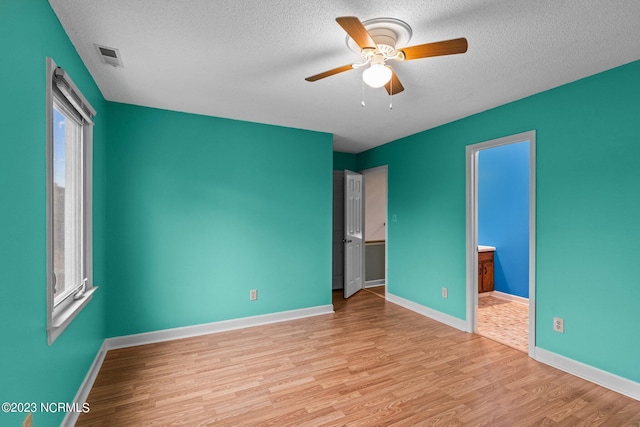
(183, 238)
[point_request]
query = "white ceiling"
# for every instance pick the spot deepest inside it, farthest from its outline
(247, 60)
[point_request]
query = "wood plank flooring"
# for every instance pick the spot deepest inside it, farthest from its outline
(504, 321)
(370, 363)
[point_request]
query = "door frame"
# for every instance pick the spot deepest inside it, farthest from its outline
(364, 173)
(472, 152)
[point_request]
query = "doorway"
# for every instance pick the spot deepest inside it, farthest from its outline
(375, 230)
(493, 251)
(375, 218)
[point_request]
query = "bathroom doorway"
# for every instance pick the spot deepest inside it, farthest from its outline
(501, 240)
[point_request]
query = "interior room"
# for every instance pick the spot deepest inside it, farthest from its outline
(207, 135)
(503, 256)
(375, 228)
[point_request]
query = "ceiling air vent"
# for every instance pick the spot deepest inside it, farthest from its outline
(109, 55)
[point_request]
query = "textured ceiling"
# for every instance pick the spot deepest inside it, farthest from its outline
(247, 60)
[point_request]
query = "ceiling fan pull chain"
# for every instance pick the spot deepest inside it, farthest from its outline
(390, 96)
(362, 103)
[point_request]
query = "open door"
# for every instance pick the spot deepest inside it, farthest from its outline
(353, 233)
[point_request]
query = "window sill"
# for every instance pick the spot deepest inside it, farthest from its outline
(62, 319)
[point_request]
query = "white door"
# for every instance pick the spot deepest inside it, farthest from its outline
(353, 233)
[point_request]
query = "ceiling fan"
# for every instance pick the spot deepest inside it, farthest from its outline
(377, 41)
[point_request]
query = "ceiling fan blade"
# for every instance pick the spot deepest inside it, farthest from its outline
(447, 47)
(393, 86)
(329, 73)
(356, 31)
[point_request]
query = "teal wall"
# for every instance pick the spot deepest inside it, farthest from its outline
(202, 210)
(33, 371)
(342, 161)
(503, 214)
(587, 148)
(426, 219)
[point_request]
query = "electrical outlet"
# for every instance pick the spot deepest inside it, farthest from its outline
(445, 293)
(253, 294)
(558, 324)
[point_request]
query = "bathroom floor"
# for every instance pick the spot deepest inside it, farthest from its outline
(504, 321)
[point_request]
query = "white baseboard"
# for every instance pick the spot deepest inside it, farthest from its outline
(374, 283)
(509, 297)
(71, 418)
(211, 328)
(589, 373)
(428, 312)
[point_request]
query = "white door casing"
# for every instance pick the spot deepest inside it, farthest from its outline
(472, 228)
(353, 233)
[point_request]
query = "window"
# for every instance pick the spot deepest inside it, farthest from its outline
(69, 142)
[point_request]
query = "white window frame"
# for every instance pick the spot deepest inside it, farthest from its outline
(61, 90)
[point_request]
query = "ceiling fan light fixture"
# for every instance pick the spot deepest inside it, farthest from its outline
(377, 75)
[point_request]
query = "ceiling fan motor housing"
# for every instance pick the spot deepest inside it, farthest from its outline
(385, 41)
(387, 33)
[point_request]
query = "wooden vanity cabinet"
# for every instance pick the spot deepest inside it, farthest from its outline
(485, 271)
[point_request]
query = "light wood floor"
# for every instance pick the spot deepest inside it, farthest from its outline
(504, 321)
(370, 363)
(378, 290)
